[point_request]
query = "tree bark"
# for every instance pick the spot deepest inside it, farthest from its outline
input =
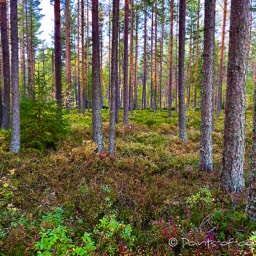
(126, 94)
(155, 61)
(251, 204)
(68, 59)
(6, 65)
(144, 89)
(151, 58)
(96, 100)
(197, 56)
(114, 75)
(57, 50)
(135, 91)
(232, 174)
(131, 78)
(181, 89)
(170, 62)
(15, 138)
(207, 87)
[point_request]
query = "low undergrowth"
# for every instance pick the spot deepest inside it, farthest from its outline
(150, 199)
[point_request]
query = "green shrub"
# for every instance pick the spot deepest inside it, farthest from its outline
(42, 124)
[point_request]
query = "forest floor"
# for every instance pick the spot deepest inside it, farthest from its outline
(143, 201)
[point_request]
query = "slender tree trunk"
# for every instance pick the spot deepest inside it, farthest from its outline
(78, 60)
(182, 109)
(96, 101)
(131, 81)
(6, 65)
(53, 75)
(22, 50)
(232, 174)
(189, 66)
(87, 67)
(251, 204)
(135, 91)
(151, 58)
(57, 50)
(207, 87)
(161, 58)
(126, 94)
(144, 90)
(169, 90)
(114, 75)
(177, 62)
(83, 57)
(68, 59)
(1, 83)
(219, 98)
(197, 56)
(155, 61)
(15, 138)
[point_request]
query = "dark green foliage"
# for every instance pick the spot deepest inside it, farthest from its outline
(42, 123)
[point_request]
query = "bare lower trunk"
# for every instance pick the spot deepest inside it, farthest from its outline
(114, 75)
(207, 87)
(232, 175)
(96, 99)
(182, 109)
(6, 65)
(251, 204)
(15, 138)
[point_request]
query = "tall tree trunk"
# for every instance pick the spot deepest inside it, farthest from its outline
(197, 55)
(114, 75)
(151, 58)
(155, 61)
(57, 50)
(53, 75)
(144, 90)
(15, 138)
(189, 66)
(219, 98)
(68, 60)
(6, 65)
(182, 109)
(170, 62)
(232, 174)
(22, 49)
(96, 101)
(131, 81)
(78, 59)
(207, 87)
(83, 57)
(1, 84)
(126, 94)
(251, 204)
(135, 90)
(161, 58)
